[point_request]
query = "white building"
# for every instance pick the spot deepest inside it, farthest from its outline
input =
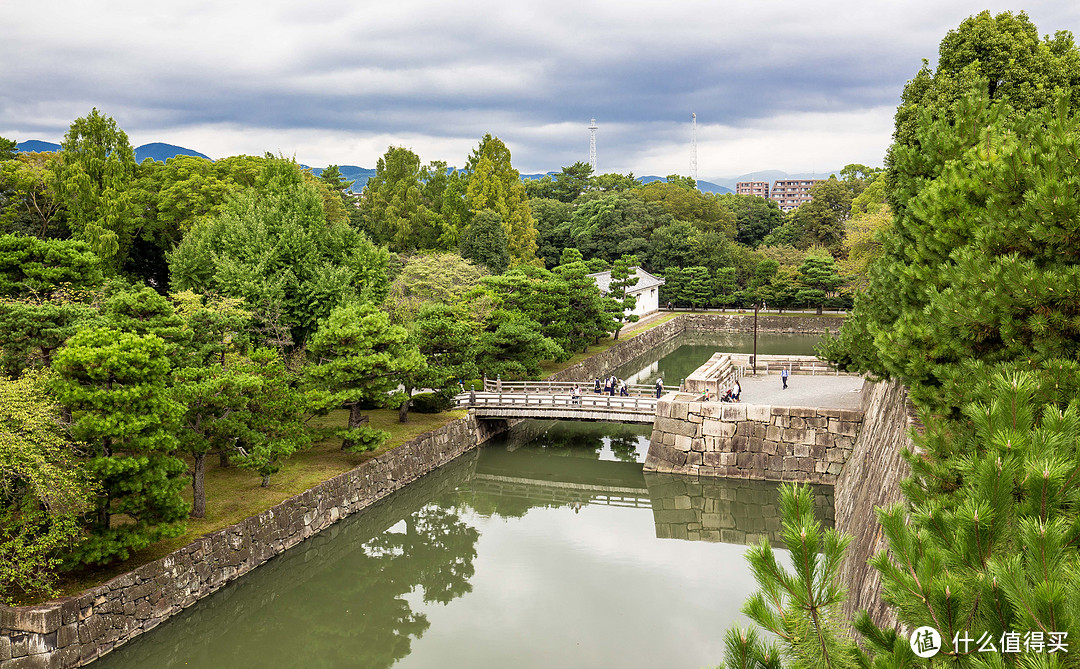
(646, 290)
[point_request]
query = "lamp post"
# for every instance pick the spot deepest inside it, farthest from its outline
(757, 305)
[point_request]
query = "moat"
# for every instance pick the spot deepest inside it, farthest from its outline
(548, 547)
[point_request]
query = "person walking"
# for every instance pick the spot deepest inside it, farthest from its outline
(659, 388)
(783, 377)
(596, 385)
(736, 390)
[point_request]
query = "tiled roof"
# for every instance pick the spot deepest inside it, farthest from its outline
(645, 281)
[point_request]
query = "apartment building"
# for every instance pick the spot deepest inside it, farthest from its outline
(790, 193)
(759, 188)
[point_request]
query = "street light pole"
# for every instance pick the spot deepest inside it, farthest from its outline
(756, 305)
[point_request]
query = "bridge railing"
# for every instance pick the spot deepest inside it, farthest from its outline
(564, 387)
(643, 405)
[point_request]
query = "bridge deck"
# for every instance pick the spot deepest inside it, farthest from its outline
(603, 408)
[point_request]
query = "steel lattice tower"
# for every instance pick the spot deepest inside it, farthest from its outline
(693, 146)
(592, 145)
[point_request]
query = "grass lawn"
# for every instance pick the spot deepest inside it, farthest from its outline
(233, 494)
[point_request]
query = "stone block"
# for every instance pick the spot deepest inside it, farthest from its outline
(759, 412)
(853, 415)
(817, 421)
(733, 412)
(769, 447)
(739, 444)
(835, 468)
(797, 423)
(848, 428)
(744, 429)
(794, 436)
(743, 460)
(5, 648)
(679, 427)
(712, 459)
(802, 450)
(697, 444)
(780, 411)
(679, 410)
(715, 428)
(728, 459)
(758, 430)
(802, 412)
(755, 444)
(773, 433)
(682, 442)
(693, 459)
(38, 619)
(682, 502)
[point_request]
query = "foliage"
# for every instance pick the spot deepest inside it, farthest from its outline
(980, 266)
(799, 607)
(755, 217)
(438, 277)
(94, 180)
(485, 242)
(43, 487)
(493, 184)
(821, 221)
(818, 278)
(623, 278)
(705, 212)
(274, 426)
(432, 402)
(273, 248)
(29, 203)
(359, 358)
(114, 383)
(30, 266)
(399, 208)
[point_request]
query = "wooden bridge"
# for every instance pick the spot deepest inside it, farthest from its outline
(553, 400)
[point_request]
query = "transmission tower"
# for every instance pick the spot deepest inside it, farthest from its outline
(693, 146)
(592, 145)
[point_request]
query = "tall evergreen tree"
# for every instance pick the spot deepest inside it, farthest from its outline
(114, 383)
(493, 184)
(623, 277)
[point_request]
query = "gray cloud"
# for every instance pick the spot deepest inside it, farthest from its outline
(311, 77)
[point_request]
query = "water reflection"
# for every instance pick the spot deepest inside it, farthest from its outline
(547, 548)
(339, 599)
(734, 511)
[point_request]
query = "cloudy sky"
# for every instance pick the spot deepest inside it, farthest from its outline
(776, 84)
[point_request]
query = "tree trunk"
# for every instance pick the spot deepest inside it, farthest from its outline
(819, 310)
(266, 481)
(198, 487)
(224, 461)
(403, 411)
(356, 419)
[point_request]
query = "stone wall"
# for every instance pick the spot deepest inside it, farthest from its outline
(751, 441)
(771, 323)
(871, 478)
(75, 630)
(602, 364)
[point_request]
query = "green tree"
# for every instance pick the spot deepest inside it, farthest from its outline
(29, 203)
(399, 205)
(755, 217)
(623, 277)
(590, 314)
(114, 383)
(493, 184)
(821, 221)
(725, 286)
(94, 180)
(705, 212)
(818, 277)
(273, 428)
(485, 242)
(432, 278)
(552, 229)
(44, 488)
(698, 286)
(799, 607)
(512, 346)
(360, 358)
(274, 248)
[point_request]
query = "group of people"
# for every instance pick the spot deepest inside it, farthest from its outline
(611, 385)
(730, 395)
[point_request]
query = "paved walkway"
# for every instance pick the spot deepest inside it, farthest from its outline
(832, 392)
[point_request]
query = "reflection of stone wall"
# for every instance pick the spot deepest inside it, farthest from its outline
(751, 441)
(75, 630)
(733, 511)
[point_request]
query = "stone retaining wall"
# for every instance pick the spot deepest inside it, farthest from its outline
(871, 478)
(751, 441)
(602, 364)
(73, 631)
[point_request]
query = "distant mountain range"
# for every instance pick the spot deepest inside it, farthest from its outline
(360, 175)
(156, 150)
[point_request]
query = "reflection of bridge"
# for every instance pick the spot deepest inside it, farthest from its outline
(549, 400)
(544, 477)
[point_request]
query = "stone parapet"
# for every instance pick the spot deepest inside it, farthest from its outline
(804, 444)
(76, 630)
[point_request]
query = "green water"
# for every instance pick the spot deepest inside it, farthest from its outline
(675, 360)
(547, 548)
